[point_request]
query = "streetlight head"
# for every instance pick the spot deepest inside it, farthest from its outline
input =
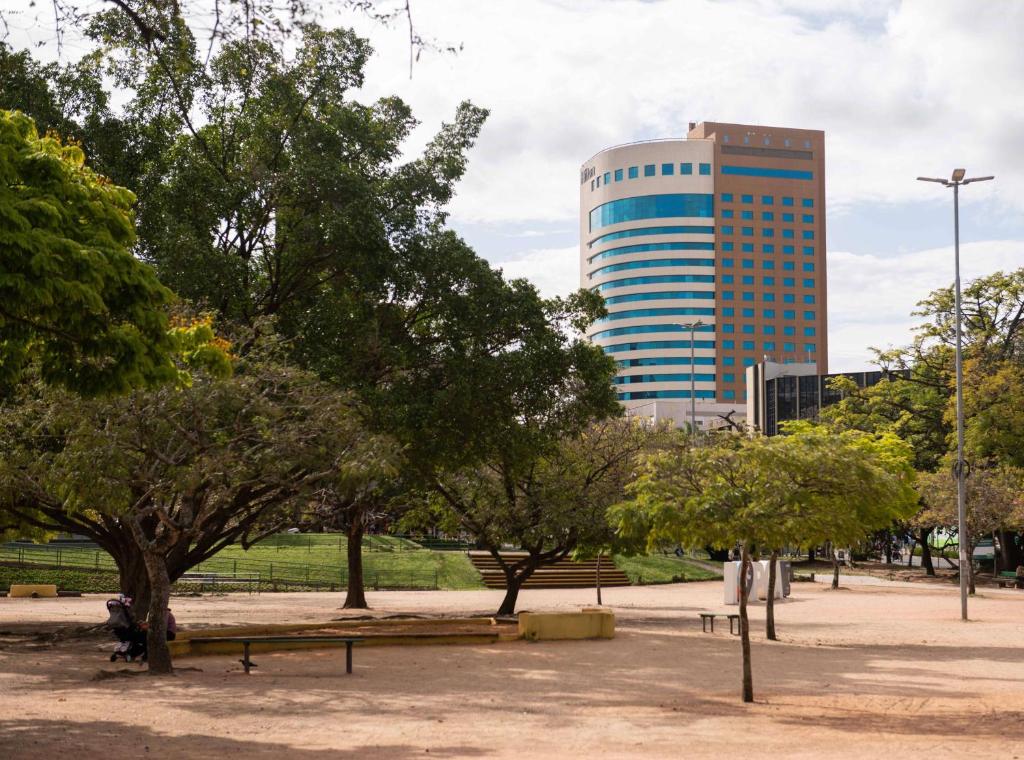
(934, 179)
(958, 174)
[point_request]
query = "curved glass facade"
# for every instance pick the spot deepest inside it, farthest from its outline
(627, 249)
(669, 378)
(658, 279)
(647, 395)
(653, 263)
(668, 295)
(666, 360)
(682, 311)
(638, 329)
(657, 345)
(670, 230)
(652, 207)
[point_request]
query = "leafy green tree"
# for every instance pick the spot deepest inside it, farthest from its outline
(72, 296)
(164, 479)
(799, 489)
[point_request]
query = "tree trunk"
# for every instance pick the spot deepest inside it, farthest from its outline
(355, 597)
(970, 567)
(888, 548)
(512, 585)
(748, 677)
(769, 616)
(910, 550)
(158, 653)
(599, 555)
(810, 554)
(1010, 552)
(835, 568)
(926, 552)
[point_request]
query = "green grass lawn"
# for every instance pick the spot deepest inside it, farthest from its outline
(662, 568)
(93, 581)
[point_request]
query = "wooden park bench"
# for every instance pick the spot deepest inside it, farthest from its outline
(1008, 578)
(247, 641)
(706, 616)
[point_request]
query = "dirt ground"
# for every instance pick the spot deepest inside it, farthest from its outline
(863, 672)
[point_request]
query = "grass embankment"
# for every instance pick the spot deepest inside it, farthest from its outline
(661, 568)
(92, 581)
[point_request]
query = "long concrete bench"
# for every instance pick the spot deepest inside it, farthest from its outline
(33, 591)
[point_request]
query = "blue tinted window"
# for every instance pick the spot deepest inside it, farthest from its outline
(769, 281)
(728, 394)
(767, 216)
(727, 245)
(634, 172)
(747, 214)
(650, 263)
(650, 345)
(728, 360)
(642, 231)
(789, 314)
(769, 345)
(599, 180)
(686, 168)
(810, 347)
(808, 282)
(808, 234)
(789, 330)
(787, 249)
(769, 297)
(728, 295)
(748, 313)
(746, 199)
(729, 344)
(667, 295)
(726, 262)
(748, 345)
(678, 311)
(668, 170)
(747, 231)
(663, 378)
(618, 175)
(747, 263)
(747, 248)
(789, 347)
(808, 315)
(768, 329)
(727, 279)
(767, 200)
(768, 248)
(786, 217)
(760, 171)
(809, 300)
(728, 328)
(788, 298)
(789, 265)
(788, 282)
(768, 232)
(769, 313)
(807, 203)
(728, 311)
(808, 266)
(625, 250)
(655, 280)
(705, 168)
(607, 177)
(636, 329)
(650, 170)
(787, 201)
(591, 184)
(645, 395)
(808, 250)
(748, 296)
(748, 279)
(787, 233)
(728, 377)
(651, 207)
(662, 361)
(727, 213)
(726, 197)
(807, 218)
(727, 229)
(767, 264)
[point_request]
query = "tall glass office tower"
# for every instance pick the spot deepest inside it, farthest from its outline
(725, 228)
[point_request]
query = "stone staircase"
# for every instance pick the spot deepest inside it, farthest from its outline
(562, 574)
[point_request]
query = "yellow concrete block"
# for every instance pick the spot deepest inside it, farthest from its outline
(589, 623)
(24, 590)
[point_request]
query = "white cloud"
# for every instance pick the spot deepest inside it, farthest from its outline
(555, 271)
(870, 296)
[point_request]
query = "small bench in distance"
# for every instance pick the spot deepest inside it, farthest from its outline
(247, 641)
(706, 616)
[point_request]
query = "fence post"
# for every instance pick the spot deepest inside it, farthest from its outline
(97, 560)
(435, 579)
(271, 572)
(234, 567)
(58, 559)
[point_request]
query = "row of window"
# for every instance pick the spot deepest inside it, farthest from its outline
(663, 360)
(659, 279)
(615, 332)
(728, 327)
(625, 250)
(652, 264)
(787, 232)
(728, 311)
(666, 295)
(768, 200)
(749, 345)
(769, 248)
(650, 395)
(680, 377)
(681, 311)
(761, 171)
(700, 205)
(650, 170)
(787, 142)
(656, 345)
(748, 279)
(767, 216)
(669, 230)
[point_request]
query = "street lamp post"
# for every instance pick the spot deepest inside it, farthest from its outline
(960, 468)
(692, 327)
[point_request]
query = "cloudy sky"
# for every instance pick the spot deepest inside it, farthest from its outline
(901, 89)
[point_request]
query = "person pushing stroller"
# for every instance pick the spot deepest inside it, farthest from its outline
(130, 633)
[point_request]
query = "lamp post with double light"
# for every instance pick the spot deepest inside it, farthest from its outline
(692, 327)
(960, 468)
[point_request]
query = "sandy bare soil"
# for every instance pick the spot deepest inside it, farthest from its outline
(863, 672)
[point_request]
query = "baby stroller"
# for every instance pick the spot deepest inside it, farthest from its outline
(129, 633)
